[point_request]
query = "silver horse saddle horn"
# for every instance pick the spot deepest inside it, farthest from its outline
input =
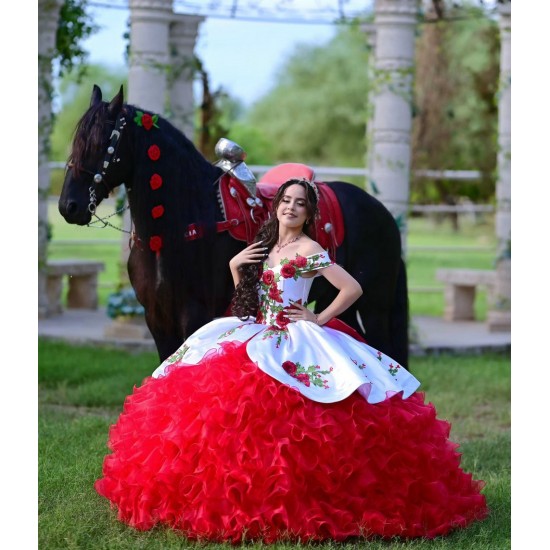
(231, 161)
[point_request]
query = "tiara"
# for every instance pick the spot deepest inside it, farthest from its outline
(312, 185)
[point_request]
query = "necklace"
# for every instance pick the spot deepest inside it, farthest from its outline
(281, 246)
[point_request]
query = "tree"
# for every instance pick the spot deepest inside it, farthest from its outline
(317, 111)
(455, 126)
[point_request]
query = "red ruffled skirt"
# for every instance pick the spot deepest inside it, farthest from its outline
(223, 452)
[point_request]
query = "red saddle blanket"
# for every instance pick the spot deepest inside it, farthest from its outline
(244, 216)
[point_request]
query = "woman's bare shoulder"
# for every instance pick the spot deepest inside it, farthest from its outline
(308, 247)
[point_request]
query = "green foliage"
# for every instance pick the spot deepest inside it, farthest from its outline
(316, 112)
(74, 27)
(456, 120)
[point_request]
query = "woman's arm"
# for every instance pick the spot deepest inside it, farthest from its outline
(252, 254)
(350, 291)
(349, 288)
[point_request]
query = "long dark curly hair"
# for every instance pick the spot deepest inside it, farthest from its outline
(245, 300)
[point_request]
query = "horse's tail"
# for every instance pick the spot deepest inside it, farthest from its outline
(400, 318)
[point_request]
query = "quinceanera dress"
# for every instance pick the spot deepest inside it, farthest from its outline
(270, 430)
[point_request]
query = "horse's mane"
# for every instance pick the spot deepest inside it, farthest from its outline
(88, 138)
(187, 195)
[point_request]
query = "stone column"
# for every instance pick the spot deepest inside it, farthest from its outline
(499, 315)
(149, 56)
(183, 37)
(48, 19)
(390, 135)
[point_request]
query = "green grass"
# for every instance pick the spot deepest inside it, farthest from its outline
(81, 392)
(421, 264)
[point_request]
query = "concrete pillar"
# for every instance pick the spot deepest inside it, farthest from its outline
(183, 37)
(48, 18)
(499, 315)
(149, 55)
(391, 102)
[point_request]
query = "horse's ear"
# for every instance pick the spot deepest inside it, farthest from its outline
(96, 95)
(116, 103)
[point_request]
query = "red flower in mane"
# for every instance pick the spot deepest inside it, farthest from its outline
(155, 243)
(147, 121)
(155, 182)
(154, 152)
(157, 211)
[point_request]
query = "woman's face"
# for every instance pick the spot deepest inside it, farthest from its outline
(292, 210)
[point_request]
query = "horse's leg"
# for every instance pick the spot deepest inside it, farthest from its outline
(142, 279)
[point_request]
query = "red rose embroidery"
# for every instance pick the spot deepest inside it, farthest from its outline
(155, 243)
(268, 277)
(300, 261)
(288, 271)
(281, 320)
(275, 294)
(153, 152)
(259, 317)
(303, 378)
(157, 211)
(155, 182)
(147, 121)
(289, 367)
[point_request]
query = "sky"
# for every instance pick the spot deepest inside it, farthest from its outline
(243, 56)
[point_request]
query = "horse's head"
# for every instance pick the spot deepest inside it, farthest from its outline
(94, 168)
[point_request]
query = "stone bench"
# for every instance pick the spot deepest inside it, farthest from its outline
(82, 278)
(460, 291)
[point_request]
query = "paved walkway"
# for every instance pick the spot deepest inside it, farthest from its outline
(434, 334)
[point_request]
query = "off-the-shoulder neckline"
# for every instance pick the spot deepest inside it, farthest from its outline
(322, 253)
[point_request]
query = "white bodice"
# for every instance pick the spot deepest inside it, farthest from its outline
(284, 283)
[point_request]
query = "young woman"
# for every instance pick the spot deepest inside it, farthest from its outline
(271, 425)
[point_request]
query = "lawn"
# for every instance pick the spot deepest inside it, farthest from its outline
(81, 391)
(431, 244)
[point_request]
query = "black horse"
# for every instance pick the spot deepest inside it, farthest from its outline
(182, 283)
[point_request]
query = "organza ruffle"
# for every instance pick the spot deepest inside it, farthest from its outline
(223, 452)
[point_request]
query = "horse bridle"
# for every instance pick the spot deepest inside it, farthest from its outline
(99, 175)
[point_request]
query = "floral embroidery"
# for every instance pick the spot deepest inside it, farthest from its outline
(393, 370)
(379, 355)
(275, 294)
(268, 277)
(275, 332)
(361, 366)
(307, 375)
(271, 310)
(230, 331)
(288, 271)
(177, 355)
